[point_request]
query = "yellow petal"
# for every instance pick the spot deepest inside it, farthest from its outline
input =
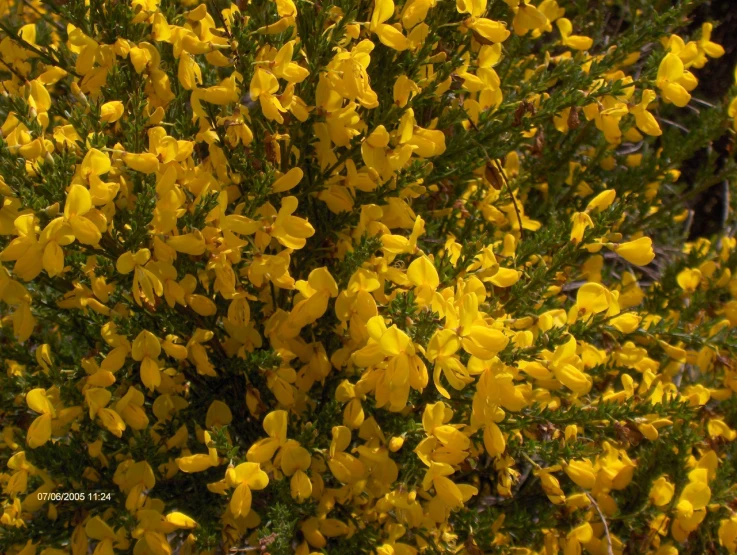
(490, 30)
(494, 441)
(295, 458)
(448, 491)
(240, 503)
(111, 112)
(422, 272)
(95, 163)
(85, 230)
(98, 529)
(638, 252)
(190, 243)
(78, 201)
(300, 486)
(251, 474)
(392, 37)
(287, 181)
(144, 163)
(194, 463)
(39, 432)
(671, 68)
(181, 520)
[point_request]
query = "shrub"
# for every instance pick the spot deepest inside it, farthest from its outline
(362, 277)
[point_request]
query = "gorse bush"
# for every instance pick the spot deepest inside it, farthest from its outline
(353, 276)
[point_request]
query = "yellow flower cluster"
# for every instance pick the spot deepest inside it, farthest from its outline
(307, 277)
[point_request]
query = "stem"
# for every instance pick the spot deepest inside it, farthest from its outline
(610, 551)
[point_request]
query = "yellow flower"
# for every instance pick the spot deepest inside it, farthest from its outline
(388, 35)
(199, 462)
(706, 47)
(661, 492)
(474, 7)
(319, 288)
(527, 17)
(77, 205)
(287, 181)
(131, 409)
(576, 42)
(550, 484)
(345, 467)
(441, 351)
(452, 495)
(403, 370)
(112, 111)
(263, 86)
(691, 506)
(478, 338)
(146, 349)
(40, 430)
(26, 249)
(97, 399)
(568, 367)
(581, 221)
(353, 414)
(97, 529)
(644, 120)
(689, 279)
(581, 472)
(55, 235)
(638, 252)
(670, 78)
(728, 534)
(487, 29)
(289, 230)
(581, 534)
(275, 425)
(591, 299)
(138, 478)
(435, 420)
(146, 284)
(244, 478)
(423, 275)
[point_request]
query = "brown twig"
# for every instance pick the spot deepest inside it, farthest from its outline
(503, 175)
(609, 550)
(13, 71)
(500, 169)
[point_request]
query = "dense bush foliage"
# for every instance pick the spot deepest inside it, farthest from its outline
(357, 276)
